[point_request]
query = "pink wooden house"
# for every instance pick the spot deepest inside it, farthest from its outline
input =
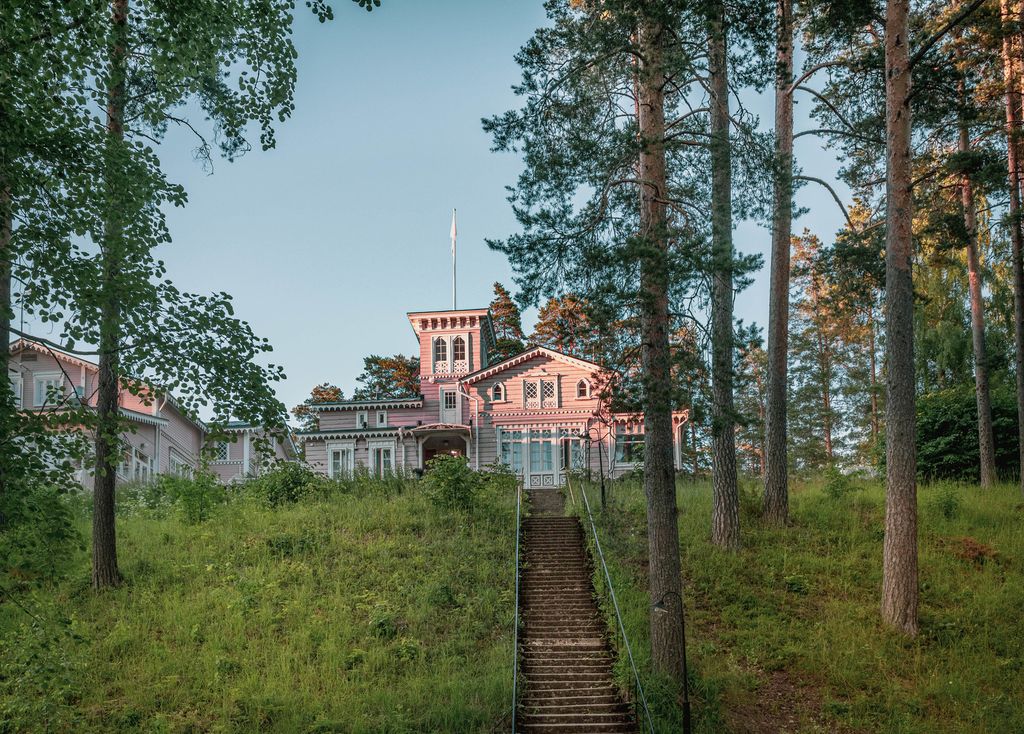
(165, 440)
(247, 452)
(540, 412)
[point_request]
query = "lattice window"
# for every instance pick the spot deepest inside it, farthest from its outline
(459, 361)
(530, 396)
(547, 393)
(440, 355)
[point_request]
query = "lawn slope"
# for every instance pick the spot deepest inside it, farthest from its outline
(350, 613)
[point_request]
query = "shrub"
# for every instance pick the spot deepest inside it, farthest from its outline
(946, 501)
(947, 433)
(451, 484)
(37, 531)
(837, 485)
(286, 483)
(195, 497)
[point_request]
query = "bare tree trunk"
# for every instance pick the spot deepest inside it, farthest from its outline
(776, 471)
(986, 442)
(899, 564)
(1013, 160)
(665, 574)
(725, 517)
(105, 572)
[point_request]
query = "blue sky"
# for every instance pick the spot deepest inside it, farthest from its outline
(326, 241)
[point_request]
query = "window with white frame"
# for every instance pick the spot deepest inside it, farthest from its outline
(498, 393)
(49, 387)
(340, 460)
(440, 354)
(178, 464)
(531, 395)
(382, 458)
(629, 448)
(459, 362)
(362, 419)
(221, 451)
(582, 389)
(382, 418)
(511, 449)
(450, 399)
(17, 387)
(548, 395)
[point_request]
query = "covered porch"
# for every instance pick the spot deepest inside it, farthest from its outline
(435, 439)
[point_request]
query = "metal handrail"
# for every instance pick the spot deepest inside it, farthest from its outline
(615, 605)
(515, 633)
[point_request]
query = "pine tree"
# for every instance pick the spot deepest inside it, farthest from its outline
(397, 376)
(325, 392)
(508, 325)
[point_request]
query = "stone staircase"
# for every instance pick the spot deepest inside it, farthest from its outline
(567, 665)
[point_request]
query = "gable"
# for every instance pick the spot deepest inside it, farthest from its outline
(543, 356)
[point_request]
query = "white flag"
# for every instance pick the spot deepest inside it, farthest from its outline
(454, 232)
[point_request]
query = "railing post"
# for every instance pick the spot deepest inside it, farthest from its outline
(515, 621)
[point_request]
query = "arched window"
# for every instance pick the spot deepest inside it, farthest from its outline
(498, 393)
(583, 389)
(440, 350)
(458, 349)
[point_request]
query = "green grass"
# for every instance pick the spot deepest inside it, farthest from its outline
(353, 613)
(790, 625)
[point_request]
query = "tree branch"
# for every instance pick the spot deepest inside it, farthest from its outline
(937, 36)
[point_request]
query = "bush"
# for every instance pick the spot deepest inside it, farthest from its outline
(837, 485)
(286, 483)
(946, 501)
(37, 531)
(195, 497)
(947, 433)
(451, 484)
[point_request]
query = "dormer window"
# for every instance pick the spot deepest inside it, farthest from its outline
(582, 389)
(362, 419)
(498, 393)
(382, 418)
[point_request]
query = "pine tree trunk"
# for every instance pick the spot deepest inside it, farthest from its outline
(874, 382)
(899, 564)
(1013, 160)
(776, 472)
(986, 443)
(725, 517)
(105, 572)
(665, 576)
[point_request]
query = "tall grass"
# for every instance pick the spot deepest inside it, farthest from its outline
(789, 626)
(350, 611)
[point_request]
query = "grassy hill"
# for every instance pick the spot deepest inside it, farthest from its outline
(785, 635)
(362, 609)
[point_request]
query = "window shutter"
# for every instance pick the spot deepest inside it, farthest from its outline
(433, 352)
(469, 352)
(558, 391)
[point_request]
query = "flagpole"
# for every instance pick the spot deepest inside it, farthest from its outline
(453, 235)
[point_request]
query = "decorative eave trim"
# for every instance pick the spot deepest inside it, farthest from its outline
(438, 427)
(539, 414)
(388, 403)
(348, 433)
(525, 357)
(24, 343)
(151, 420)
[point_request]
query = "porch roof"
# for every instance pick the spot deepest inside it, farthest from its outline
(441, 428)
